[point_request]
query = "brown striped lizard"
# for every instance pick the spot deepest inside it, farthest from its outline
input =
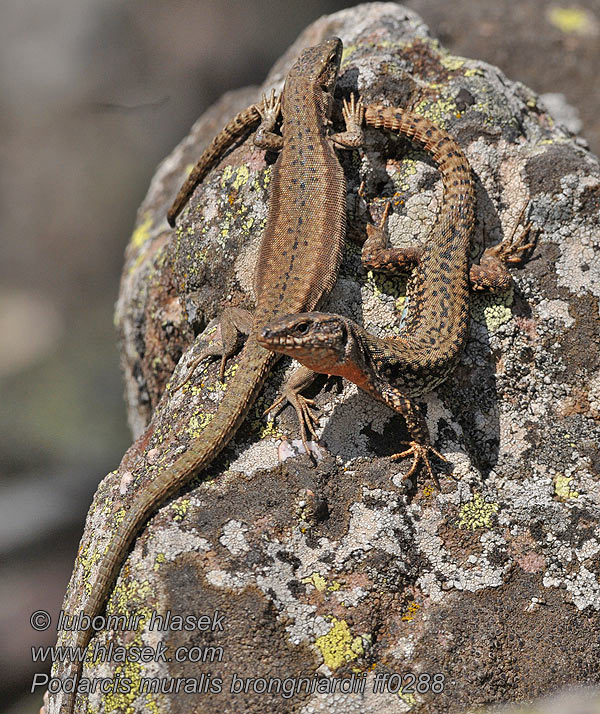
(297, 266)
(395, 370)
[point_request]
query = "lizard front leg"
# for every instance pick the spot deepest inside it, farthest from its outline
(234, 321)
(333, 344)
(353, 111)
(300, 379)
(265, 137)
(420, 444)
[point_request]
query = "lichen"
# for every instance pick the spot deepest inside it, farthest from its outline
(338, 646)
(198, 423)
(562, 488)
(269, 431)
(477, 513)
(142, 233)
(438, 110)
(180, 509)
(492, 309)
(411, 610)
(235, 178)
(317, 581)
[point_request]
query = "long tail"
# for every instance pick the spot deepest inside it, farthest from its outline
(254, 366)
(439, 291)
(226, 138)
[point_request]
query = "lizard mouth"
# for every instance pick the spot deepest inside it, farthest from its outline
(272, 340)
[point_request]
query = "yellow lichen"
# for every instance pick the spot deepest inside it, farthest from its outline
(141, 234)
(380, 283)
(239, 175)
(428, 490)
(338, 646)
(198, 423)
(410, 612)
(562, 489)
(180, 509)
(125, 592)
(270, 431)
(477, 513)
(492, 309)
(121, 701)
(407, 698)
(451, 62)
(437, 110)
(317, 581)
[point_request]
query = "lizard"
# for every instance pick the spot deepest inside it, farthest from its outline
(297, 266)
(396, 370)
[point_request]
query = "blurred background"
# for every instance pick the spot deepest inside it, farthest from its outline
(94, 94)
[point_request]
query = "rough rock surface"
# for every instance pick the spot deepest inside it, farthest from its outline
(345, 569)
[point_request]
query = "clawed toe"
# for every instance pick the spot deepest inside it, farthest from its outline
(305, 410)
(353, 110)
(190, 372)
(420, 456)
(513, 250)
(270, 106)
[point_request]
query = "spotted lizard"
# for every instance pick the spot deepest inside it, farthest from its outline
(396, 370)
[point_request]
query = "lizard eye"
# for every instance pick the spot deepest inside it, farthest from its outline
(302, 328)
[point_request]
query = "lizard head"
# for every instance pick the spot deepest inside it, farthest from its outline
(320, 64)
(318, 340)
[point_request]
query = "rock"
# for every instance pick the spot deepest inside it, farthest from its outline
(487, 592)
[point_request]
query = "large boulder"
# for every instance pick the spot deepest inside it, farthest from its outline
(486, 592)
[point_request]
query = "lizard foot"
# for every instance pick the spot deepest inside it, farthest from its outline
(269, 107)
(353, 112)
(513, 250)
(420, 455)
(305, 409)
(234, 321)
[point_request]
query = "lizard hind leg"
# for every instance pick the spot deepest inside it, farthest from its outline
(492, 271)
(378, 256)
(234, 321)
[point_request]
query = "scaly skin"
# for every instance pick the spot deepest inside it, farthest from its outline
(297, 266)
(240, 125)
(394, 370)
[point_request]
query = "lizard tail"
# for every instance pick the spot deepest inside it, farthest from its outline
(242, 390)
(439, 290)
(234, 130)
